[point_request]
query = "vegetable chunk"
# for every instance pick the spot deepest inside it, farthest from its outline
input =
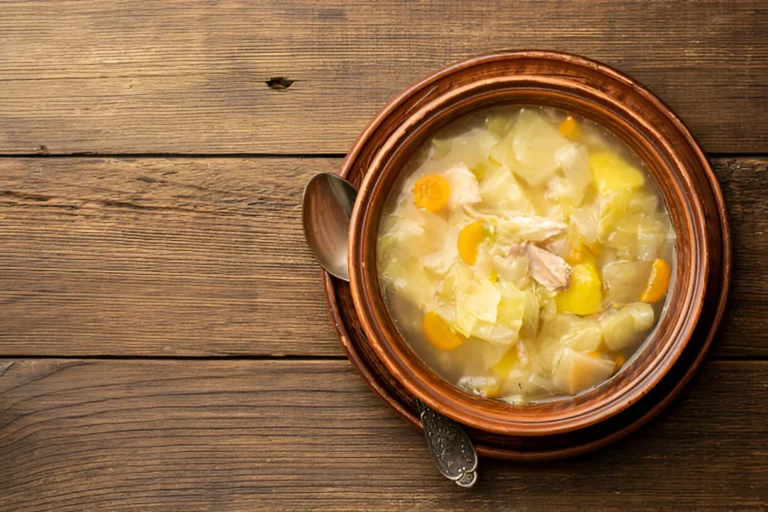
(577, 372)
(431, 192)
(658, 282)
(584, 295)
(627, 326)
(612, 173)
(469, 239)
(439, 333)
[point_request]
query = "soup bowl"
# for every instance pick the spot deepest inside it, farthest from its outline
(696, 298)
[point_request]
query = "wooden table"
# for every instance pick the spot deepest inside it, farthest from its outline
(164, 340)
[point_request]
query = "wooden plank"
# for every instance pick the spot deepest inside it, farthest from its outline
(190, 76)
(240, 435)
(745, 188)
(164, 257)
(205, 257)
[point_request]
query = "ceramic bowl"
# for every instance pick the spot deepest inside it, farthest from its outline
(625, 108)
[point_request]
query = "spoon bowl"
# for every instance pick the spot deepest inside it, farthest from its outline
(326, 209)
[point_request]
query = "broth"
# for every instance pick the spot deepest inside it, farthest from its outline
(525, 253)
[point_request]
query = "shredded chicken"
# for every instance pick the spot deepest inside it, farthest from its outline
(533, 228)
(517, 249)
(480, 216)
(548, 269)
(527, 227)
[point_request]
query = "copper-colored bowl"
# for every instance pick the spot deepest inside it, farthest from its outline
(632, 113)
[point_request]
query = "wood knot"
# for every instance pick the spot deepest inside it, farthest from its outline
(279, 83)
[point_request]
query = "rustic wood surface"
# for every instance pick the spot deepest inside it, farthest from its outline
(190, 76)
(183, 257)
(164, 342)
(127, 435)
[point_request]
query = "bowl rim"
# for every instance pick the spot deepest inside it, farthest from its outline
(446, 398)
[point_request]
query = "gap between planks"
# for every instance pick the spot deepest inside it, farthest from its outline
(298, 358)
(201, 156)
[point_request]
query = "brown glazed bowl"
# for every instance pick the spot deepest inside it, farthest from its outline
(619, 104)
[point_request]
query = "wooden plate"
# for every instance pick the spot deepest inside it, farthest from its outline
(653, 397)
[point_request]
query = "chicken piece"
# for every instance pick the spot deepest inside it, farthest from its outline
(532, 227)
(463, 186)
(517, 249)
(525, 227)
(548, 269)
(480, 216)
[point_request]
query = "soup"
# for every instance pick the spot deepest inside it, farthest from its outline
(525, 253)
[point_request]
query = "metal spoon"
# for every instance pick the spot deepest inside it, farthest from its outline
(326, 210)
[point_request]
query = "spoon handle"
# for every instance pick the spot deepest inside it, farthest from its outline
(450, 447)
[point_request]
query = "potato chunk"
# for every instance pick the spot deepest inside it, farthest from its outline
(627, 326)
(576, 371)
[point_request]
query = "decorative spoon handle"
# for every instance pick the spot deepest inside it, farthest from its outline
(450, 447)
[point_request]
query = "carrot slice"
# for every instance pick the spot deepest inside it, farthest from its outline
(439, 333)
(431, 192)
(570, 128)
(658, 282)
(470, 237)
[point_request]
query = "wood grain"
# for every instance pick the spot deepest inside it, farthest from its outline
(744, 183)
(159, 257)
(179, 76)
(241, 435)
(205, 257)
